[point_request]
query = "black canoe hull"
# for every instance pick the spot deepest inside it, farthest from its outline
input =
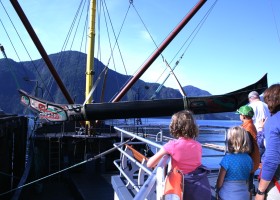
(137, 109)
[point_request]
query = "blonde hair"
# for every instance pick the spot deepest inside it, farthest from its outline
(183, 125)
(238, 140)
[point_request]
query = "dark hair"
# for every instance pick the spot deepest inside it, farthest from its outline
(183, 125)
(272, 98)
(238, 140)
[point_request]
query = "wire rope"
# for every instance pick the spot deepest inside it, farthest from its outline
(68, 168)
(275, 23)
(26, 50)
(191, 39)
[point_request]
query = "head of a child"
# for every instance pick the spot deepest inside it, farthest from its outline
(238, 140)
(245, 112)
(183, 125)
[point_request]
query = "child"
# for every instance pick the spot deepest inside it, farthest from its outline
(246, 113)
(186, 154)
(235, 167)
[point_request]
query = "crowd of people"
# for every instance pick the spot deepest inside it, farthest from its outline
(253, 145)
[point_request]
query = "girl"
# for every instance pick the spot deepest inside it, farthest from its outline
(235, 167)
(186, 154)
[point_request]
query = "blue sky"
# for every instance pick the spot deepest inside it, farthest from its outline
(236, 45)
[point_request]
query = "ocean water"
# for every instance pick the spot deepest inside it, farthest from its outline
(211, 131)
(218, 123)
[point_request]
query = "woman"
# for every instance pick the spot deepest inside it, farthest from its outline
(186, 154)
(269, 186)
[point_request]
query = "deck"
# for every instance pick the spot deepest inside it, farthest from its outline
(93, 180)
(90, 181)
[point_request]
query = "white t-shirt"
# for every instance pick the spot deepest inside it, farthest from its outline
(260, 111)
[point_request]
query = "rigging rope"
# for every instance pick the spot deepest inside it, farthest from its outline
(95, 85)
(193, 35)
(116, 44)
(9, 36)
(71, 167)
(131, 3)
(147, 30)
(277, 30)
(26, 50)
(67, 39)
(9, 66)
(117, 37)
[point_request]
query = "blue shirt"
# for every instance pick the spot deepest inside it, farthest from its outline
(238, 166)
(271, 158)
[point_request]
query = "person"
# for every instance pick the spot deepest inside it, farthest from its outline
(269, 185)
(246, 113)
(260, 108)
(261, 112)
(236, 166)
(186, 155)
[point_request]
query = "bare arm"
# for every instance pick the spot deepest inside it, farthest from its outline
(221, 177)
(153, 161)
(262, 187)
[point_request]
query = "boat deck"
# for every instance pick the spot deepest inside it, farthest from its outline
(91, 181)
(116, 180)
(94, 180)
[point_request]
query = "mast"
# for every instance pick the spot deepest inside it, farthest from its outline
(90, 55)
(154, 56)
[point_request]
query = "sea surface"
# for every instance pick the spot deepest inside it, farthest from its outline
(211, 131)
(220, 123)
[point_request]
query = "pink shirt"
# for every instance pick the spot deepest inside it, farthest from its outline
(186, 154)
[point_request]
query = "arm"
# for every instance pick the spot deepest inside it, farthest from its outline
(271, 159)
(220, 180)
(221, 177)
(261, 124)
(262, 187)
(153, 161)
(260, 138)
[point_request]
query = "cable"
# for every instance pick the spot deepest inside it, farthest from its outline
(276, 27)
(33, 64)
(71, 167)
(193, 35)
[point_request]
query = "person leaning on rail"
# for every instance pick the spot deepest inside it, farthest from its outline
(186, 155)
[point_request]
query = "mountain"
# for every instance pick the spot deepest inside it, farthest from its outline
(34, 77)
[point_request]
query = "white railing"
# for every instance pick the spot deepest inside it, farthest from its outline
(149, 187)
(145, 183)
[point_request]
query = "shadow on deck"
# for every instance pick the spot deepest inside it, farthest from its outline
(89, 181)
